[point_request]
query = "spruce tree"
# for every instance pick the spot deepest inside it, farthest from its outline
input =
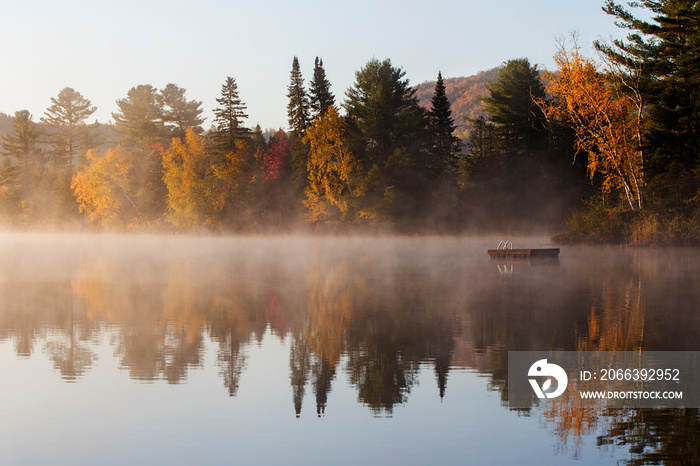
(298, 107)
(445, 144)
(229, 117)
(320, 95)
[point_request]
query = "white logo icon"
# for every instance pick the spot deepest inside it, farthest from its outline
(542, 369)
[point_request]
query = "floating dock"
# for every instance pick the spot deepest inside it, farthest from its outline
(518, 254)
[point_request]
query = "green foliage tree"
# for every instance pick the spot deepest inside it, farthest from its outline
(516, 172)
(21, 186)
(445, 145)
(22, 141)
(139, 120)
(660, 60)
(512, 108)
(298, 106)
(65, 120)
(140, 127)
(229, 117)
(320, 96)
(387, 131)
(179, 114)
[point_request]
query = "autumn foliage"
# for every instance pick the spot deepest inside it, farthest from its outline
(606, 121)
(332, 171)
(103, 188)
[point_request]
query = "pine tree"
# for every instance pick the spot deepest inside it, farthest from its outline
(230, 116)
(65, 119)
(21, 187)
(512, 108)
(298, 107)
(320, 96)
(660, 61)
(139, 121)
(22, 140)
(445, 143)
(180, 114)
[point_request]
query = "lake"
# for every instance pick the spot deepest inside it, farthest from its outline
(294, 350)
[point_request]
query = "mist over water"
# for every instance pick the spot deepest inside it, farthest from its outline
(197, 349)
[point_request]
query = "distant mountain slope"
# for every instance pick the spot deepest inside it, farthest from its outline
(463, 93)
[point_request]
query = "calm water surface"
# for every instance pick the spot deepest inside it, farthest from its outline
(172, 350)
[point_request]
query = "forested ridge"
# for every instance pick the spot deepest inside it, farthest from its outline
(605, 147)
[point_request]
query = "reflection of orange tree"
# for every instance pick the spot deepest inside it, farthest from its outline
(131, 295)
(573, 418)
(618, 324)
(329, 308)
(330, 305)
(32, 302)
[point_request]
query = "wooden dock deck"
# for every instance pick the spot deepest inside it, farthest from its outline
(516, 254)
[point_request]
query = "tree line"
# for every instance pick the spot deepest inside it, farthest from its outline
(161, 170)
(377, 160)
(619, 133)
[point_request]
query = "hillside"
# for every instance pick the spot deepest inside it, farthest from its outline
(463, 93)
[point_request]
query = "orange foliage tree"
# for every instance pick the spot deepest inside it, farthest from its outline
(332, 169)
(103, 189)
(607, 121)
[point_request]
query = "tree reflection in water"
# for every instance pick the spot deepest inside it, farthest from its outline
(378, 311)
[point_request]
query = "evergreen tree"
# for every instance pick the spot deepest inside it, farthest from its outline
(21, 187)
(179, 114)
(139, 121)
(512, 108)
(139, 124)
(65, 119)
(661, 62)
(258, 140)
(384, 113)
(22, 140)
(445, 145)
(230, 116)
(387, 132)
(510, 174)
(298, 107)
(320, 96)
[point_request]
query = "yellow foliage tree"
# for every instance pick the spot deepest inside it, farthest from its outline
(607, 122)
(332, 169)
(103, 189)
(193, 198)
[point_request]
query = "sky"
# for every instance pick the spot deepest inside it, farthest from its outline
(102, 49)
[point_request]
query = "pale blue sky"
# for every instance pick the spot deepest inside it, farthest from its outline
(102, 49)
